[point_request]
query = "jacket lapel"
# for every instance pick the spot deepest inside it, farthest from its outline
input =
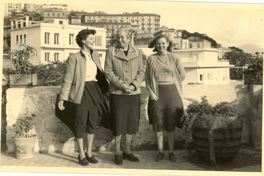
(95, 58)
(132, 54)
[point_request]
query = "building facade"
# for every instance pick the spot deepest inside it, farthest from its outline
(147, 22)
(32, 7)
(13, 7)
(202, 66)
(54, 40)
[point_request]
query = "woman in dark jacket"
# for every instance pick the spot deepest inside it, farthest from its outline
(164, 75)
(83, 91)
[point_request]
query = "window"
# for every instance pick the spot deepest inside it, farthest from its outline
(25, 38)
(56, 57)
(24, 24)
(198, 45)
(71, 39)
(47, 37)
(201, 77)
(61, 22)
(98, 40)
(47, 59)
(190, 45)
(21, 38)
(17, 39)
(56, 38)
(19, 24)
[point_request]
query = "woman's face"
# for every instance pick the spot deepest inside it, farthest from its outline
(122, 39)
(162, 44)
(89, 42)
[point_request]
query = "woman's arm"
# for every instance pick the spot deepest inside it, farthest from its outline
(68, 78)
(140, 73)
(109, 70)
(147, 81)
(180, 68)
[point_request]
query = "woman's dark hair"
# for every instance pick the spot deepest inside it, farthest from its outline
(152, 44)
(82, 35)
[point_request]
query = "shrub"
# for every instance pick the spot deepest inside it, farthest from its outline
(23, 126)
(211, 117)
(50, 74)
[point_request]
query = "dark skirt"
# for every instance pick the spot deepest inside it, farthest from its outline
(93, 111)
(125, 113)
(166, 111)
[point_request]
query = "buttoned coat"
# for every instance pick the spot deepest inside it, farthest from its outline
(121, 69)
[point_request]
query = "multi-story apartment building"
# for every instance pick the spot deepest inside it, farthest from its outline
(55, 6)
(202, 66)
(148, 22)
(32, 7)
(54, 40)
(54, 13)
(13, 7)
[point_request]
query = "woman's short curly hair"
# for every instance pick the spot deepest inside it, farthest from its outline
(152, 44)
(82, 35)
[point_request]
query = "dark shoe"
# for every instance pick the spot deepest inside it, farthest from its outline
(172, 157)
(118, 159)
(130, 157)
(91, 159)
(159, 157)
(83, 161)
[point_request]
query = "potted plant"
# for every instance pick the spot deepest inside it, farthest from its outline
(23, 72)
(253, 73)
(25, 137)
(216, 130)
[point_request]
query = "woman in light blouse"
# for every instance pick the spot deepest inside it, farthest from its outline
(164, 74)
(83, 90)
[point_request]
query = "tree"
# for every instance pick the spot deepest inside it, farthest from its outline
(186, 34)
(237, 57)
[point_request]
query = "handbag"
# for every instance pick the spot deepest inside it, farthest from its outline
(66, 115)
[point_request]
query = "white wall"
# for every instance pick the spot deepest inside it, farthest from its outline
(214, 75)
(36, 38)
(32, 39)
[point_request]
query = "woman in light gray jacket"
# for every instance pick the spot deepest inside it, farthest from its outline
(125, 71)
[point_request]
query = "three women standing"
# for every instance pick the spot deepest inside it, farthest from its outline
(164, 75)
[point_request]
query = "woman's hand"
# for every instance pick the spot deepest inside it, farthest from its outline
(60, 105)
(153, 96)
(128, 88)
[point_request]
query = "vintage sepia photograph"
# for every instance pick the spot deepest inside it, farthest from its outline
(132, 87)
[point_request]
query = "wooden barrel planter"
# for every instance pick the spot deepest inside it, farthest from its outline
(219, 144)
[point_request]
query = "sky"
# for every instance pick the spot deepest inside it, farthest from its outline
(230, 24)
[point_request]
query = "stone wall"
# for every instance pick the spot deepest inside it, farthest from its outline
(55, 136)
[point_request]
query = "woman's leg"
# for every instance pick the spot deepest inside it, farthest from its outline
(80, 146)
(128, 143)
(170, 136)
(90, 138)
(159, 136)
(117, 145)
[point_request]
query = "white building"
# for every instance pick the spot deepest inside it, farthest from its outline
(203, 67)
(13, 7)
(54, 40)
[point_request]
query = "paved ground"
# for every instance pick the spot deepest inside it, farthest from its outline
(246, 160)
